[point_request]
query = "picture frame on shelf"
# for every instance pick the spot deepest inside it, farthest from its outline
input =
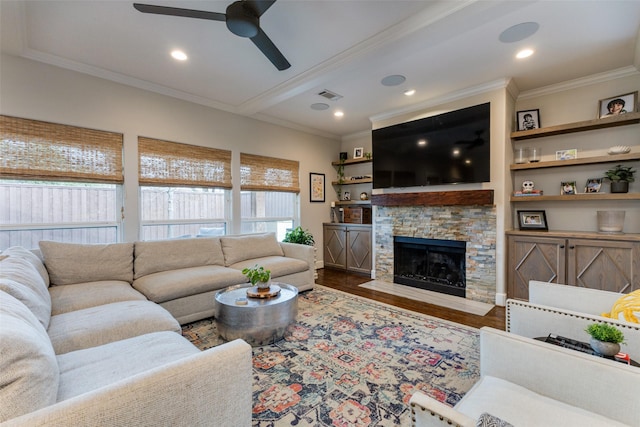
(593, 185)
(619, 104)
(346, 196)
(528, 119)
(533, 220)
(569, 154)
(316, 187)
(358, 153)
(568, 188)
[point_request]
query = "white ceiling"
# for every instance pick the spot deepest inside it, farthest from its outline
(345, 46)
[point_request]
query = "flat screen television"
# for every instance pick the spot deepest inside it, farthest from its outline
(450, 148)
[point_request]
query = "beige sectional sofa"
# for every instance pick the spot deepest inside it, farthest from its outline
(92, 335)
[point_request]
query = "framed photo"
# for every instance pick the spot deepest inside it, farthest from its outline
(532, 220)
(316, 187)
(528, 119)
(616, 105)
(346, 196)
(568, 187)
(593, 185)
(358, 153)
(567, 154)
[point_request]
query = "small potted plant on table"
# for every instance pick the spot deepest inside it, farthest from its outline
(258, 276)
(605, 339)
(620, 177)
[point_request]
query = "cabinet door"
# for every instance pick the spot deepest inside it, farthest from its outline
(359, 249)
(335, 246)
(534, 258)
(602, 264)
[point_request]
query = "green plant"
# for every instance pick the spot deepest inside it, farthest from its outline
(300, 236)
(605, 332)
(257, 274)
(620, 173)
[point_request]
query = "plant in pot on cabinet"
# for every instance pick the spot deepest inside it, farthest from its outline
(605, 339)
(258, 276)
(620, 177)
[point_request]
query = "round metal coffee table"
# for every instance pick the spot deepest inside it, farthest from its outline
(258, 321)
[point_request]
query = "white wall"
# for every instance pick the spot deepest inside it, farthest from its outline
(37, 91)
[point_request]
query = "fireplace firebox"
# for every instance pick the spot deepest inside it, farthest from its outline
(431, 264)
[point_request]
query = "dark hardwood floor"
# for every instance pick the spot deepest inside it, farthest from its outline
(348, 282)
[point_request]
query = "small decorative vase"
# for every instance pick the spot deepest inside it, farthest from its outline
(604, 348)
(619, 186)
(263, 286)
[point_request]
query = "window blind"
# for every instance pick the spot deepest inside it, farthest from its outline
(48, 151)
(260, 173)
(166, 163)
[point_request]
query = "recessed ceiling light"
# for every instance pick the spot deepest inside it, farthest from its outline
(338, 113)
(410, 92)
(422, 142)
(524, 53)
(179, 55)
(319, 106)
(519, 32)
(393, 80)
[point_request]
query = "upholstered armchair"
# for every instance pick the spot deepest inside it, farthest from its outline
(567, 311)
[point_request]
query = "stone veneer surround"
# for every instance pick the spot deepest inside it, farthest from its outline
(474, 224)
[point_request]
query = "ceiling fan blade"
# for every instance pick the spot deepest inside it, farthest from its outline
(260, 6)
(176, 11)
(270, 50)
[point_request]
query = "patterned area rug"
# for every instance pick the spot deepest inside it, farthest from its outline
(352, 362)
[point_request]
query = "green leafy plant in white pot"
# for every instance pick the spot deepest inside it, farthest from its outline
(605, 338)
(300, 236)
(258, 276)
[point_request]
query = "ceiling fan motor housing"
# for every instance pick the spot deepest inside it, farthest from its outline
(242, 20)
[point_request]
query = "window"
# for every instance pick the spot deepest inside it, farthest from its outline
(183, 189)
(58, 182)
(270, 194)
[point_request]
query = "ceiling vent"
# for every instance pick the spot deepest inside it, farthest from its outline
(330, 95)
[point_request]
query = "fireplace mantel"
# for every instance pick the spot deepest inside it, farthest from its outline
(437, 198)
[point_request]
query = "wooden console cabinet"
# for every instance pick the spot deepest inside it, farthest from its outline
(589, 260)
(347, 247)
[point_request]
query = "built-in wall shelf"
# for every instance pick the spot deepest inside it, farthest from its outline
(353, 181)
(353, 202)
(351, 162)
(576, 162)
(606, 122)
(578, 197)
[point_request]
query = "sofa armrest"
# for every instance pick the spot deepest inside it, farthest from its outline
(584, 300)
(426, 412)
(298, 251)
(535, 320)
(603, 386)
(213, 387)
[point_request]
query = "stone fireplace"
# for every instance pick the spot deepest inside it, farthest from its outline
(473, 224)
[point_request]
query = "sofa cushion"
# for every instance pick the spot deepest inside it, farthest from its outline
(522, 407)
(240, 248)
(163, 255)
(66, 298)
(279, 266)
(107, 323)
(28, 367)
(89, 369)
(488, 420)
(20, 252)
(70, 263)
(21, 279)
(626, 308)
(170, 285)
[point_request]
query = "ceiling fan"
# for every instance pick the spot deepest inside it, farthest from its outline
(242, 18)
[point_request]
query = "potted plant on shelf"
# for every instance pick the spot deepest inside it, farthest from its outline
(300, 236)
(258, 276)
(620, 177)
(605, 339)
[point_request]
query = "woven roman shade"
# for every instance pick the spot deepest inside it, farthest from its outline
(48, 151)
(260, 173)
(165, 163)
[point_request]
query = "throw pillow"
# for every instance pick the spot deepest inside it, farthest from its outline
(70, 263)
(488, 420)
(20, 252)
(250, 246)
(626, 308)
